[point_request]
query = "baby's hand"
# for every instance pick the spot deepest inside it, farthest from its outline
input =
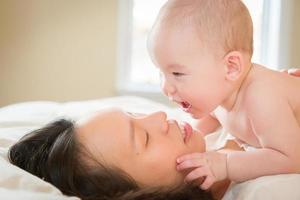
(210, 165)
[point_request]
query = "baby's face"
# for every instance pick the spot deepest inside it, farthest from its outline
(144, 146)
(191, 74)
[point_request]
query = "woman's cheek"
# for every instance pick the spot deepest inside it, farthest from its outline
(163, 157)
(196, 143)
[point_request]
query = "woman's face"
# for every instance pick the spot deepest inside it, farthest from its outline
(143, 145)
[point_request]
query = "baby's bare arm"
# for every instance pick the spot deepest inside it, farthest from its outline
(278, 132)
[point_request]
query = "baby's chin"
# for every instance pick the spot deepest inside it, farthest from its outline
(197, 114)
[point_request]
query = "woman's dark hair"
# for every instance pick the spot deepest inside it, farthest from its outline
(54, 154)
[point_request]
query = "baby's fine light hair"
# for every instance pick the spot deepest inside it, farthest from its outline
(217, 22)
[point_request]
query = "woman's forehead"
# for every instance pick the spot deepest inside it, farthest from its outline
(99, 115)
(109, 118)
(106, 132)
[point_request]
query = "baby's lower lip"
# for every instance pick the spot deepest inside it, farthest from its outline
(188, 109)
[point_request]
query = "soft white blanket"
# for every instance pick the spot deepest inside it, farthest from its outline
(18, 119)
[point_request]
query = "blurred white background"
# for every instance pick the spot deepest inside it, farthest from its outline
(64, 50)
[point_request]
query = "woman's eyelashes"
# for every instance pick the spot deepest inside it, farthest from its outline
(146, 141)
(147, 138)
(177, 74)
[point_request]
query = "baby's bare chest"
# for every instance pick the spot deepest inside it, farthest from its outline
(238, 125)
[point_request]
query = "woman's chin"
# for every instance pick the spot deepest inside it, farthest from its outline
(198, 142)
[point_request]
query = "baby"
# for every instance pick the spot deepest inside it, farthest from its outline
(203, 49)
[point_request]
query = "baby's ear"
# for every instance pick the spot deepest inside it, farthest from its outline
(234, 65)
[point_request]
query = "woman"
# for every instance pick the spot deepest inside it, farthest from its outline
(115, 155)
(112, 155)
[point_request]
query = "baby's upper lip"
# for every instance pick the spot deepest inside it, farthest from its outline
(183, 104)
(175, 100)
(178, 102)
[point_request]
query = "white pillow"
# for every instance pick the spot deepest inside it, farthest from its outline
(276, 187)
(18, 119)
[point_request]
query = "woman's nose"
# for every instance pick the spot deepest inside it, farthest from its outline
(159, 115)
(157, 120)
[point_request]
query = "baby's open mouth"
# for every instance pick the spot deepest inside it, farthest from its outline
(186, 106)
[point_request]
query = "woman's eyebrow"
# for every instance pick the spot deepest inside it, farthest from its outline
(131, 130)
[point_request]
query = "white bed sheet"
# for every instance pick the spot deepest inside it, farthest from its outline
(18, 119)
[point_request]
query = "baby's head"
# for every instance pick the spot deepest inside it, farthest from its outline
(210, 40)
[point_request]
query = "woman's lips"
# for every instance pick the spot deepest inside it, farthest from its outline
(188, 131)
(185, 128)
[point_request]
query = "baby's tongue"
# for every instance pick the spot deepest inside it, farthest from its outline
(185, 104)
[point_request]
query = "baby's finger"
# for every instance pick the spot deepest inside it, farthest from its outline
(191, 164)
(189, 157)
(207, 182)
(196, 173)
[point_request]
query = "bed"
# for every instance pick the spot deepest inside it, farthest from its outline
(18, 119)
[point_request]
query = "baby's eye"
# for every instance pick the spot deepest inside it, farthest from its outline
(177, 74)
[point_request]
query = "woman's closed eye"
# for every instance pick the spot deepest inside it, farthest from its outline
(146, 141)
(178, 74)
(147, 138)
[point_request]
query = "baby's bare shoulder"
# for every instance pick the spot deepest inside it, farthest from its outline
(266, 83)
(261, 89)
(264, 91)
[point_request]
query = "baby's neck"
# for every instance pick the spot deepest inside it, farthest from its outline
(233, 98)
